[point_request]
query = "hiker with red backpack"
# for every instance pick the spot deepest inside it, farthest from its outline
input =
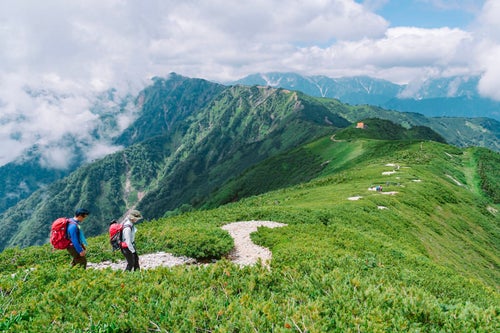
(77, 248)
(128, 240)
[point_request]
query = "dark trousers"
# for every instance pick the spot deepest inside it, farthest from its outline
(77, 258)
(132, 259)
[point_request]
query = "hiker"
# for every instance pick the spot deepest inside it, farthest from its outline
(128, 245)
(78, 247)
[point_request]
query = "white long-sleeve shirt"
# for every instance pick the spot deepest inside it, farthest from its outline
(129, 231)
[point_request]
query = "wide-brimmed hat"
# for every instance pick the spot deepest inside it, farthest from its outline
(135, 214)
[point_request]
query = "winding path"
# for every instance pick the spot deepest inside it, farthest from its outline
(244, 253)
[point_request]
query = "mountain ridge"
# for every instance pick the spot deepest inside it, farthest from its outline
(455, 96)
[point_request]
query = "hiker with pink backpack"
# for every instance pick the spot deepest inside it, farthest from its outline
(122, 236)
(66, 234)
(78, 246)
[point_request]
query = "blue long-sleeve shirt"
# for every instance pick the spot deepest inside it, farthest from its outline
(75, 235)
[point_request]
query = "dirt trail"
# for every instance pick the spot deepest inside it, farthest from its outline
(245, 252)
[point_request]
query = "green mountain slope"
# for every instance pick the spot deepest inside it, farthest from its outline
(178, 164)
(165, 106)
(241, 128)
(301, 165)
(21, 179)
(427, 187)
(420, 256)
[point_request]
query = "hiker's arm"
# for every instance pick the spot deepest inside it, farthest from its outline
(127, 238)
(73, 236)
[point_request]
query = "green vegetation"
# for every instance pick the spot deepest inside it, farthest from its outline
(489, 172)
(198, 144)
(423, 255)
(374, 128)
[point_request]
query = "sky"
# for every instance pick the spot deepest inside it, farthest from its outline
(57, 56)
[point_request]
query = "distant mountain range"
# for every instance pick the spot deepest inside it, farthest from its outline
(444, 97)
(190, 138)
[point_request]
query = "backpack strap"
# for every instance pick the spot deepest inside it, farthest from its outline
(121, 231)
(70, 221)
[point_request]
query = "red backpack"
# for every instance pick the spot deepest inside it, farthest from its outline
(59, 233)
(115, 235)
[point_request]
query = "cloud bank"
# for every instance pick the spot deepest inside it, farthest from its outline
(58, 57)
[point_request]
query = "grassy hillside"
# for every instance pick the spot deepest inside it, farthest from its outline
(380, 129)
(305, 163)
(420, 256)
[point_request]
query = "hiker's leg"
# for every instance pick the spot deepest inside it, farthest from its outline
(82, 261)
(77, 258)
(130, 258)
(136, 262)
(73, 253)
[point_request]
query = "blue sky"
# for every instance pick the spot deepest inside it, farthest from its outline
(430, 14)
(56, 56)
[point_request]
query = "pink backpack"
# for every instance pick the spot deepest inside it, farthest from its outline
(59, 233)
(116, 235)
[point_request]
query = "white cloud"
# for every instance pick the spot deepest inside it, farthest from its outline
(490, 80)
(56, 56)
(402, 54)
(56, 157)
(488, 49)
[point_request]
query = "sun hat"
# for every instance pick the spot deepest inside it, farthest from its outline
(135, 214)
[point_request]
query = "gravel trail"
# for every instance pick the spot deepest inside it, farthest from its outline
(245, 252)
